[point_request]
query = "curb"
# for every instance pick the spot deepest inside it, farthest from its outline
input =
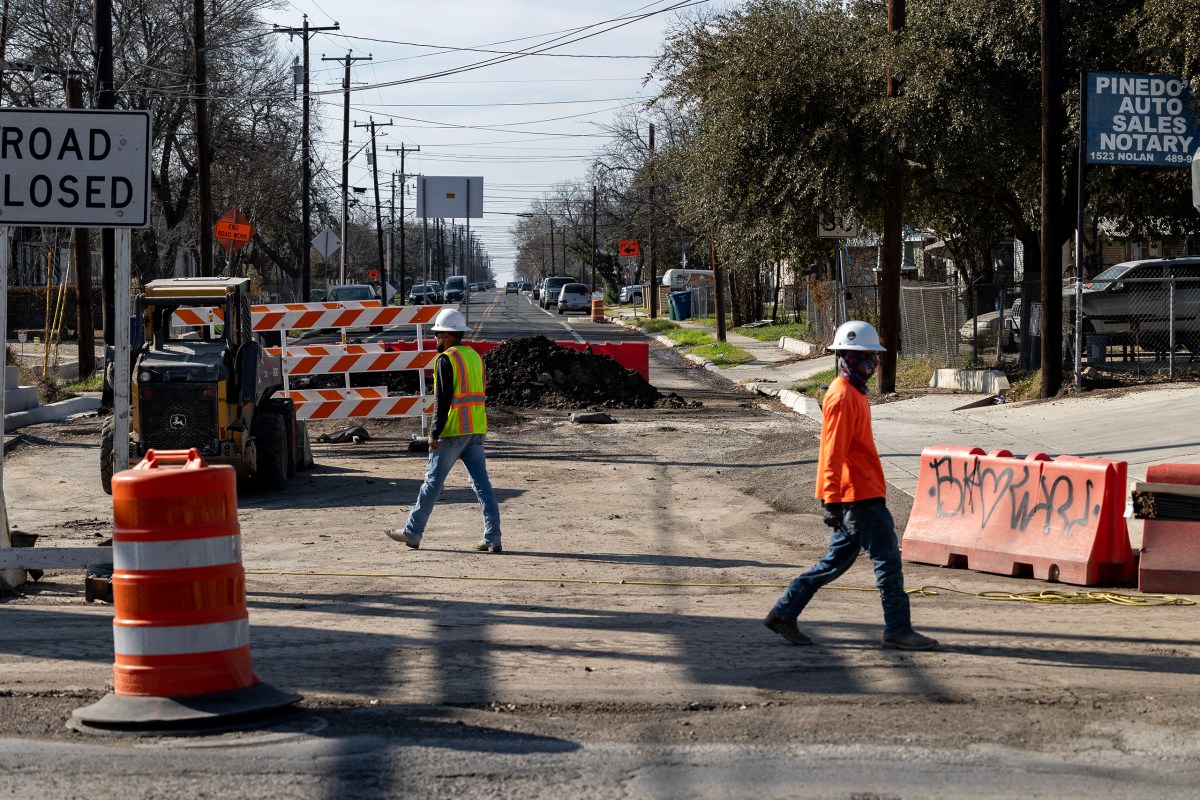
(798, 346)
(52, 412)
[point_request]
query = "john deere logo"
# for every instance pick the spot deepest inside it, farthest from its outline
(178, 422)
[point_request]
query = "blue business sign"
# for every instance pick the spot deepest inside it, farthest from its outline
(1140, 120)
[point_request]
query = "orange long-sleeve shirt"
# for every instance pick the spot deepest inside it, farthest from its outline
(848, 467)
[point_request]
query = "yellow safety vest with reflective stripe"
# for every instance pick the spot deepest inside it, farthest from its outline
(467, 414)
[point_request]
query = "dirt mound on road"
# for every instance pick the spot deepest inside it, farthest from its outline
(537, 373)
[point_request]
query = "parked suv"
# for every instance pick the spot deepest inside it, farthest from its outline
(574, 297)
(551, 288)
(1131, 302)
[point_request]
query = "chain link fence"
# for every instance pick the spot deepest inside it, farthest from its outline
(1138, 324)
(1135, 328)
(827, 304)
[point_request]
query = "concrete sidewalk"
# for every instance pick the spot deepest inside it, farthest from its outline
(1142, 426)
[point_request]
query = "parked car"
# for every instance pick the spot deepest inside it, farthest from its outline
(526, 286)
(351, 291)
(512, 287)
(985, 328)
(1131, 302)
(456, 289)
(551, 288)
(632, 294)
(574, 297)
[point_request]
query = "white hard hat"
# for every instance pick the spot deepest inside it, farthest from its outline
(857, 335)
(448, 319)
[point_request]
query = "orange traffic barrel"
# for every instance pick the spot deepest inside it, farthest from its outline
(181, 633)
(597, 311)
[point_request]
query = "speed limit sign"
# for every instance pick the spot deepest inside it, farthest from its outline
(22, 336)
(836, 225)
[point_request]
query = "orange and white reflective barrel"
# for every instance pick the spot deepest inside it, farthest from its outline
(597, 311)
(179, 590)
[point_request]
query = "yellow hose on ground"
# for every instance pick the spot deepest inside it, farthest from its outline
(1049, 597)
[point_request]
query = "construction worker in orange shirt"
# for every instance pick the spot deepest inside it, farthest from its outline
(852, 491)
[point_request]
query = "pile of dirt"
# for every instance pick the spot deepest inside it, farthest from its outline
(537, 373)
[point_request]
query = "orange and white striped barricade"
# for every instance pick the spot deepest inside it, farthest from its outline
(359, 402)
(181, 632)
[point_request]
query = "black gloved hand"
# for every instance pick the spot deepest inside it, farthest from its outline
(833, 514)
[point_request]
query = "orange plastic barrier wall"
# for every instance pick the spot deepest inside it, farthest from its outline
(1170, 556)
(631, 355)
(1053, 519)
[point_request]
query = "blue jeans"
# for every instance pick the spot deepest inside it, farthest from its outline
(469, 449)
(865, 526)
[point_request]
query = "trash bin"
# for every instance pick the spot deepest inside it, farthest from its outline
(681, 305)
(1096, 346)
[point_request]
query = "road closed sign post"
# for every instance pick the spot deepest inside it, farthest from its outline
(70, 168)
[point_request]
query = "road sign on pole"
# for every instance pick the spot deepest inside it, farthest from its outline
(233, 230)
(326, 242)
(836, 226)
(75, 169)
(628, 248)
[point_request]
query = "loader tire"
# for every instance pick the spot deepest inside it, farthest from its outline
(106, 454)
(271, 449)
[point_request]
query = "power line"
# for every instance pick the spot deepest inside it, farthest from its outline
(620, 22)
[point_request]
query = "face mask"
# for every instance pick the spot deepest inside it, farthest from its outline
(857, 367)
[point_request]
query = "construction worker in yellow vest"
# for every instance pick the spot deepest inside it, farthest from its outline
(460, 423)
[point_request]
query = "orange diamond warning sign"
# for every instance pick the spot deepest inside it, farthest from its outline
(233, 230)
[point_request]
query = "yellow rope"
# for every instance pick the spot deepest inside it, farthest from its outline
(1050, 596)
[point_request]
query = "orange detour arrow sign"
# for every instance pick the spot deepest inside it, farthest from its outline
(628, 248)
(233, 230)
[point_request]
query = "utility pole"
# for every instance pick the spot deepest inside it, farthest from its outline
(203, 167)
(718, 287)
(893, 244)
(1053, 119)
(105, 99)
(650, 238)
(306, 235)
(81, 240)
(346, 62)
(402, 149)
(593, 238)
(552, 266)
(383, 270)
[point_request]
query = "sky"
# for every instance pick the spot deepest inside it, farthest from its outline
(523, 125)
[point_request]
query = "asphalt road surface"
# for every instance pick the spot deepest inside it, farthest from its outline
(495, 316)
(614, 650)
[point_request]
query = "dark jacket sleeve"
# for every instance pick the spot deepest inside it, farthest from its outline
(445, 395)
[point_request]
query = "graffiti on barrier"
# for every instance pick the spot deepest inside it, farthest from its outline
(975, 488)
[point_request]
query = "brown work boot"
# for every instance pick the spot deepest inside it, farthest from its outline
(910, 641)
(787, 629)
(485, 547)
